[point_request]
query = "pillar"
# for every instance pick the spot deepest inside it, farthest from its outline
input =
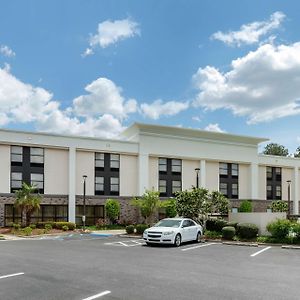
(72, 184)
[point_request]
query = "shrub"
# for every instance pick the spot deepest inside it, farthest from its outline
(279, 206)
(16, 226)
(27, 231)
(48, 227)
(59, 225)
(245, 206)
(32, 226)
(247, 230)
(296, 229)
(228, 232)
(212, 234)
(279, 228)
(130, 229)
(65, 228)
(101, 223)
(112, 209)
(42, 224)
(233, 224)
(215, 224)
(170, 208)
(140, 228)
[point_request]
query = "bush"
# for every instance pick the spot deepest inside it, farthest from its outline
(245, 206)
(140, 228)
(279, 228)
(233, 224)
(27, 231)
(170, 208)
(42, 224)
(130, 229)
(296, 229)
(112, 209)
(59, 225)
(228, 232)
(279, 206)
(16, 226)
(32, 226)
(247, 230)
(65, 228)
(212, 234)
(215, 224)
(48, 227)
(101, 223)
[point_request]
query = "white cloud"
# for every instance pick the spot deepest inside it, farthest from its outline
(214, 127)
(6, 51)
(196, 118)
(263, 85)
(250, 33)
(104, 98)
(111, 32)
(24, 103)
(157, 108)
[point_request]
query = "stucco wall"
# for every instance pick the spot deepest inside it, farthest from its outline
(85, 165)
(244, 182)
(212, 176)
(189, 174)
(4, 168)
(128, 175)
(153, 173)
(56, 171)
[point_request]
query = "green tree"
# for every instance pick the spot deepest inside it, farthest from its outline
(276, 149)
(112, 209)
(27, 201)
(148, 204)
(297, 154)
(170, 207)
(219, 203)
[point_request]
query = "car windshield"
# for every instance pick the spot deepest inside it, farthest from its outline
(168, 223)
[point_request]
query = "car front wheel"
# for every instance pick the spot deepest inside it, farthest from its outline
(177, 241)
(198, 238)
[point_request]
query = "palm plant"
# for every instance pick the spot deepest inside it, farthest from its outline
(27, 201)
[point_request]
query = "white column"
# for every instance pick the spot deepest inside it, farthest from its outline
(143, 167)
(203, 173)
(295, 186)
(72, 184)
(254, 180)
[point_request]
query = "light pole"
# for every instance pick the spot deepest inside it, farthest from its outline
(83, 216)
(197, 177)
(289, 198)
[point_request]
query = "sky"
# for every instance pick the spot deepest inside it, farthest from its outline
(94, 67)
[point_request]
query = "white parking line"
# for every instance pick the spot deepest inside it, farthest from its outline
(199, 246)
(98, 295)
(260, 251)
(11, 275)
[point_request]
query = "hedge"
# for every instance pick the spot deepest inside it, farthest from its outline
(228, 232)
(247, 230)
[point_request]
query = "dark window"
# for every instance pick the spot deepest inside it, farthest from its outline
(169, 176)
(92, 212)
(274, 190)
(228, 176)
(107, 167)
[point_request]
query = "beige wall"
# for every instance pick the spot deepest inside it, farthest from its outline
(85, 165)
(244, 182)
(212, 176)
(262, 183)
(189, 174)
(56, 170)
(128, 175)
(4, 169)
(287, 174)
(153, 173)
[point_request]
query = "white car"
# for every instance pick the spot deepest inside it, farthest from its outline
(173, 231)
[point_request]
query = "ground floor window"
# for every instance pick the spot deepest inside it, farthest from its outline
(92, 213)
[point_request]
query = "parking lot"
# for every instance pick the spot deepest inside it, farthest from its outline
(110, 267)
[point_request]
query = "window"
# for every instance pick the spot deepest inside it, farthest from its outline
(273, 175)
(176, 186)
(16, 155)
(278, 174)
(162, 165)
(114, 185)
(235, 191)
(163, 186)
(278, 191)
(269, 173)
(114, 161)
(99, 160)
(223, 188)
(223, 169)
(37, 180)
(234, 169)
(269, 192)
(16, 180)
(99, 184)
(36, 155)
(176, 165)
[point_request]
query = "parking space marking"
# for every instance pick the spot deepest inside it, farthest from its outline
(260, 251)
(131, 243)
(199, 246)
(11, 275)
(98, 295)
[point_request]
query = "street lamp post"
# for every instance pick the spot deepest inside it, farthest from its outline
(197, 177)
(289, 198)
(83, 216)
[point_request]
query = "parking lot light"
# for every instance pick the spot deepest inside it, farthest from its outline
(83, 216)
(197, 177)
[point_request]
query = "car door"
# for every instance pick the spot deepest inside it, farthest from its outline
(193, 230)
(185, 230)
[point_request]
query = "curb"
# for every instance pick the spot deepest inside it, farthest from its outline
(241, 244)
(130, 236)
(290, 247)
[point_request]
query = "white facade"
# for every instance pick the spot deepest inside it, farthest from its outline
(68, 158)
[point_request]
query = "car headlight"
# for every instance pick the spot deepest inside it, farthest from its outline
(145, 232)
(168, 232)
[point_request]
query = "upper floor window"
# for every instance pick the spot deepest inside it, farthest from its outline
(223, 169)
(176, 165)
(114, 161)
(16, 180)
(162, 165)
(16, 155)
(99, 160)
(37, 180)
(36, 156)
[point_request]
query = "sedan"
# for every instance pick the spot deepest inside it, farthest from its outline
(173, 231)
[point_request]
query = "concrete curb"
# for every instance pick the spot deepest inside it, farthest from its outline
(290, 247)
(240, 244)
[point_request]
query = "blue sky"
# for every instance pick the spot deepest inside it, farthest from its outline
(95, 67)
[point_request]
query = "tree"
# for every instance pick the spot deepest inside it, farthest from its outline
(170, 207)
(297, 154)
(276, 149)
(219, 203)
(27, 201)
(148, 204)
(112, 209)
